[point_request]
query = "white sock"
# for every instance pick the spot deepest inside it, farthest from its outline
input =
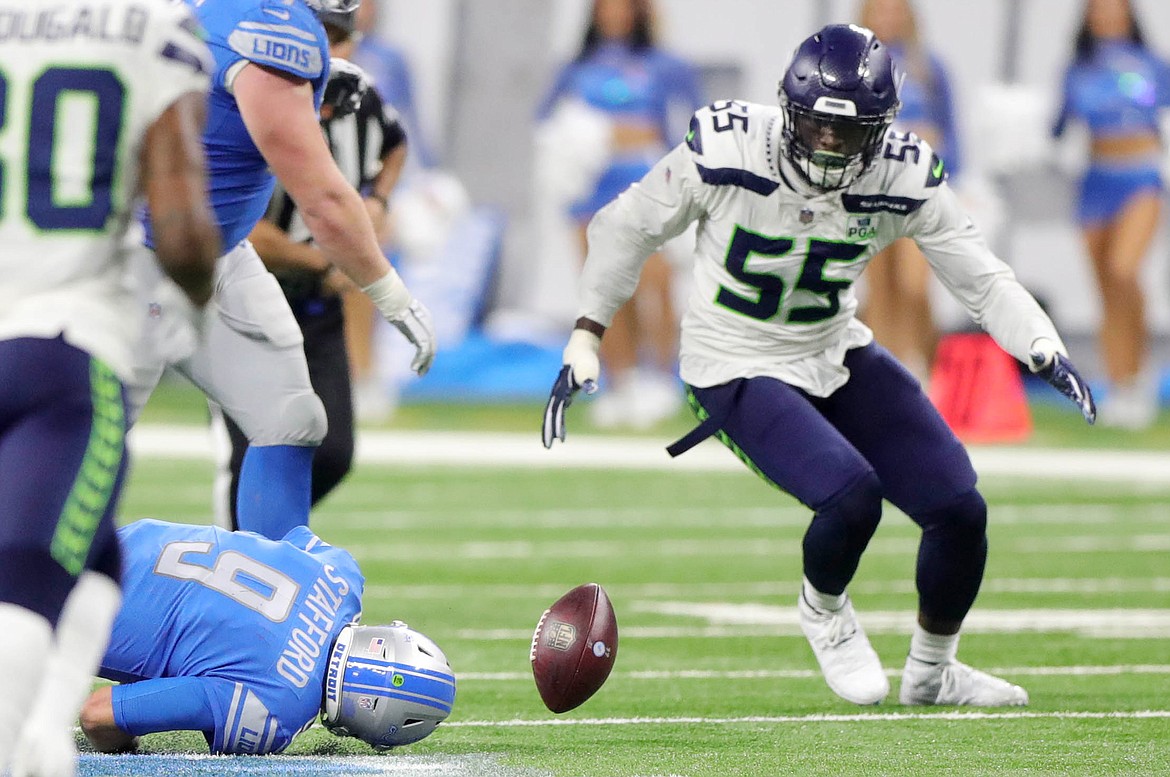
(933, 648)
(23, 650)
(820, 601)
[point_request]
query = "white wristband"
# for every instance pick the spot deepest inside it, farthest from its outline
(390, 295)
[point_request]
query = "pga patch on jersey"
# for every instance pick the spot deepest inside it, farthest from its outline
(861, 228)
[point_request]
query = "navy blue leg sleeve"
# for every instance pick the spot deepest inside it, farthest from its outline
(839, 534)
(951, 557)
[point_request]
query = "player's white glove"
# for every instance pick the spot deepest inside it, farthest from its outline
(417, 327)
(580, 371)
(408, 315)
(1055, 367)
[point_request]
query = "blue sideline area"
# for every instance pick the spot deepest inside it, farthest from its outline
(481, 369)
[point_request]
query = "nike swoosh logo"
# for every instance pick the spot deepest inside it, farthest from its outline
(937, 170)
(278, 14)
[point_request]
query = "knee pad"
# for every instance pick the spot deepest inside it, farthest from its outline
(859, 506)
(298, 420)
(965, 514)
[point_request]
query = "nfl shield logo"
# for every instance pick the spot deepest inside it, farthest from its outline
(365, 702)
(806, 216)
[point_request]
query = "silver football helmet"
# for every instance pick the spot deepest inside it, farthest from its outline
(334, 6)
(386, 685)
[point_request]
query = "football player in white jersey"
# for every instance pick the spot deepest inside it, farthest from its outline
(790, 204)
(99, 100)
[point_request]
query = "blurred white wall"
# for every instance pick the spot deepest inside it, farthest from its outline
(1002, 127)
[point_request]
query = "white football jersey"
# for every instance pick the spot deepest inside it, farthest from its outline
(775, 261)
(82, 81)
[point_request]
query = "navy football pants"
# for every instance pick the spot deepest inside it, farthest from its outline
(62, 463)
(877, 436)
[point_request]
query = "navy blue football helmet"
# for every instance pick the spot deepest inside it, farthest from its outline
(839, 96)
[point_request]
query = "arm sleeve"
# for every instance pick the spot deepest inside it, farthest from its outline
(164, 704)
(230, 715)
(625, 232)
(985, 286)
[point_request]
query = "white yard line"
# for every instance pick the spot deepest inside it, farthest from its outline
(811, 674)
(781, 514)
(476, 449)
(783, 589)
(737, 620)
(862, 717)
(612, 550)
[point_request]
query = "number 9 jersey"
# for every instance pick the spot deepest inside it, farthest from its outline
(79, 87)
(776, 259)
(246, 622)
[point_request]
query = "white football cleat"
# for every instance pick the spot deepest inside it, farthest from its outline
(955, 683)
(850, 666)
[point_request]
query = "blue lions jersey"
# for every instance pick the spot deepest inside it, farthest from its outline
(1117, 90)
(281, 34)
(252, 618)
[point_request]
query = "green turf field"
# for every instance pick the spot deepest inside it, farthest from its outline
(712, 677)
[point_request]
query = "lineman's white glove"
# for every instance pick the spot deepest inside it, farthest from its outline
(408, 315)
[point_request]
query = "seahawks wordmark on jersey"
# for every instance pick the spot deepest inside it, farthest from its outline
(776, 260)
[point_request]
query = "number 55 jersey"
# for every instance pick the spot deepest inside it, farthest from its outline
(79, 86)
(252, 620)
(776, 260)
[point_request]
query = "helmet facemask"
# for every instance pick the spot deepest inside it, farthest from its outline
(839, 96)
(831, 149)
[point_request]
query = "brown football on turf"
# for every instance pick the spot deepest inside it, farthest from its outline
(574, 647)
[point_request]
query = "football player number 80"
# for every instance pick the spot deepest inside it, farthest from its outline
(241, 578)
(65, 101)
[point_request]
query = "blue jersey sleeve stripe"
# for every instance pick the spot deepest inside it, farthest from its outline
(279, 29)
(184, 56)
(227, 738)
(730, 176)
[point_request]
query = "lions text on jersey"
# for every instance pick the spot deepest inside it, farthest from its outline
(80, 85)
(249, 622)
(284, 35)
(776, 260)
